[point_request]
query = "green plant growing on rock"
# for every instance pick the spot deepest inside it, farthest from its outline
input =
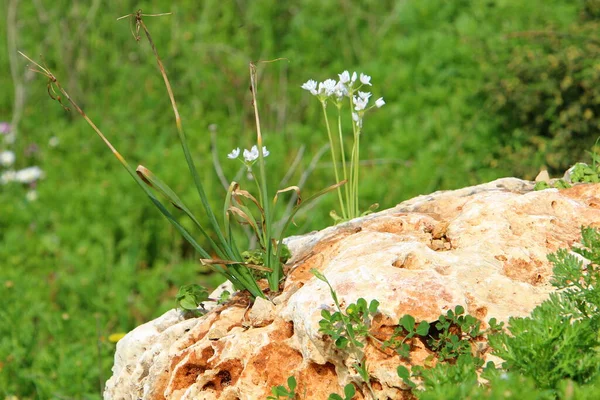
(349, 392)
(560, 339)
(223, 254)
(553, 353)
(405, 329)
(455, 333)
(281, 392)
(348, 328)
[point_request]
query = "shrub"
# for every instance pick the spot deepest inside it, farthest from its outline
(547, 97)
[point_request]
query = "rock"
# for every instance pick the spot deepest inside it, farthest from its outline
(482, 247)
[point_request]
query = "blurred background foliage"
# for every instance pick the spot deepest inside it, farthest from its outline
(475, 90)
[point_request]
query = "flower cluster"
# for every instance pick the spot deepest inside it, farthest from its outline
(347, 86)
(249, 155)
(28, 175)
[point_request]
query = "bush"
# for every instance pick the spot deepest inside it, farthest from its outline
(547, 97)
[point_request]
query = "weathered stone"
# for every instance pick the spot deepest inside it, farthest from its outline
(482, 247)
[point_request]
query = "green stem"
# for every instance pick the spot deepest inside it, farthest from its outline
(334, 160)
(343, 154)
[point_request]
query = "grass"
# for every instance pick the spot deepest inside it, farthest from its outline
(92, 257)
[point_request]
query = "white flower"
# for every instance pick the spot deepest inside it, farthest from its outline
(311, 86)
(360, 103)
(252, 154)
(379, 102)
(7, 176)
(53, 141)
(365, 79)
(364, 95)
(234, 153)
(344, 77)
(7, 158)
(358, 119)
(353, 78)
(29, 175)
(340, 90)
(31, 196)
(327, 87)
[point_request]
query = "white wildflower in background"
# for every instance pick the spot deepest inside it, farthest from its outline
(29, 175)
(53, 141)
(379, 102)
(7, 158)
(234, 153)
(7, 177)
(31, 195)
(365, 79)
(311, 86)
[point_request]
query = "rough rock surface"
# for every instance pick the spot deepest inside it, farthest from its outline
(483, 247)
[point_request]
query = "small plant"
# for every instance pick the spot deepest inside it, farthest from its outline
(190, 297)
(581, 173)
(455, 332)
(349, 328)
(406, 329)
(237, 266)
(281, 392)
(349, 392)
(346, 89)
(560, 339)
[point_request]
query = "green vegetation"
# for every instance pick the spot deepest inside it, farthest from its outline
(85, 255)
(554, 353)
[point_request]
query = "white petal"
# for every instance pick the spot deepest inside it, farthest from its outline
(365, 79)
(379, 102)
(234, 153)
(311, 86)
(344, 77)
(364, 95)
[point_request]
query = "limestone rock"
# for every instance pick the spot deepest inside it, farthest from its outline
(482, 247)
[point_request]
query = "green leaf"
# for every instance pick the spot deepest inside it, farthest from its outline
(373, 306)
(341, 342)
(189, 297)
(318, 274)
(291, 383)
(408, 322)
(423, 328)
(349, 391)
(362, 304)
